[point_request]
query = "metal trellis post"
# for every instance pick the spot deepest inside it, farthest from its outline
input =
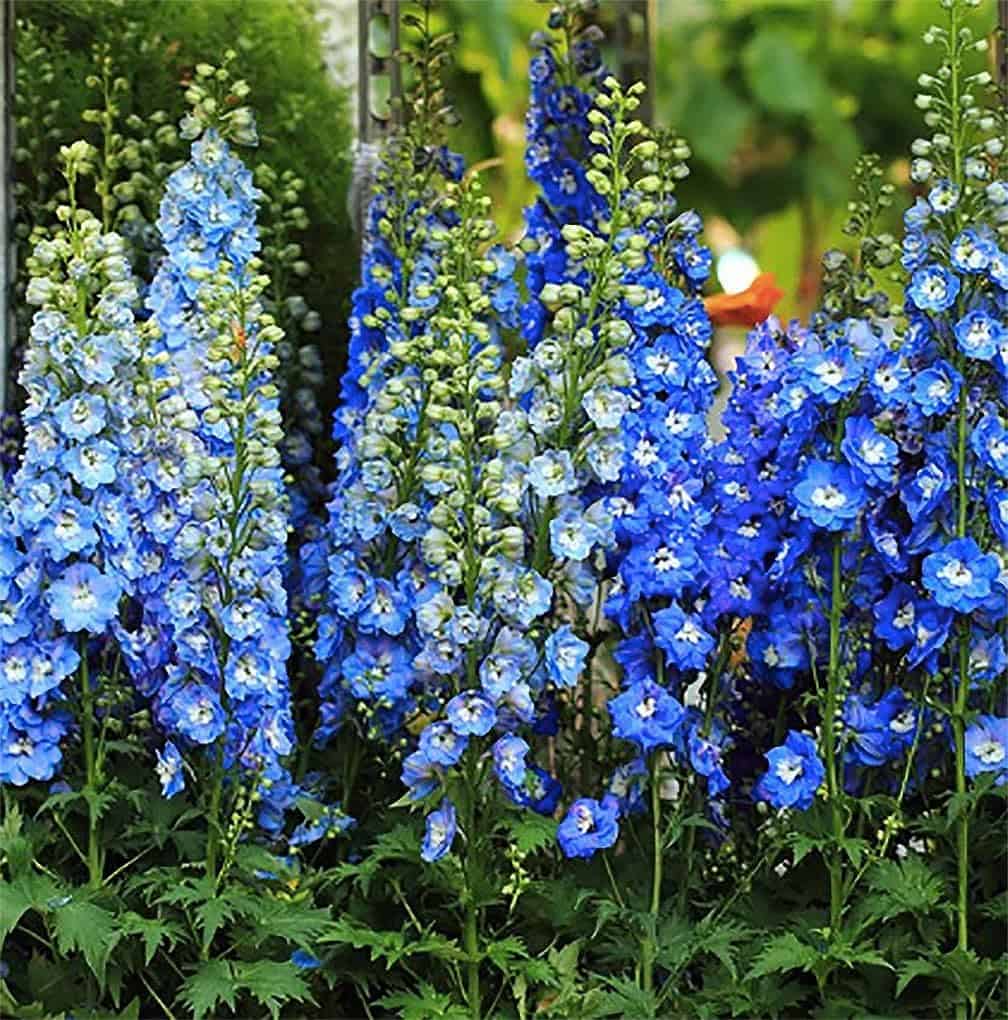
(378, 84)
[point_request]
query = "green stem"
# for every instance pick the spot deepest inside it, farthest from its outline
(649, 944)
(959, 713)
(470, 937)
(470, 930)
(962, 822)
(90, 771)
(712, 688)
(829, 737)
(213, 817)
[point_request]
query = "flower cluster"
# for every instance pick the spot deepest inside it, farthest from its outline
(67, 548)
(210, 643)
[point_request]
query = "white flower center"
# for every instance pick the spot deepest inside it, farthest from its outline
(647, 708)
(789, 770)
(990, 752)
(828, 496)
(873, 451)
(201, 713)
(830, 372)
(665, 559)
(690, 633)
(82, 597)
(956, 573)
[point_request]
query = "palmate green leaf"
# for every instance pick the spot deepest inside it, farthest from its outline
(913, 969)
(905, 887)
(211, 916)
(210, 986)
(784, 953)
(390, 946)
(675, 942)
(15, 847)
(626, 1000)
(505, 953)
(14, 903)
(81, 926)
(533, 832)
(153, 931)
(399, 844)
(722, 941)
(292, 922)
(271, 983)
(186, 892)
(425, 1004)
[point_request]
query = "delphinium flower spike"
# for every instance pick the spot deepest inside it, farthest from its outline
(67, 551)
(212, 642)
(946, 386)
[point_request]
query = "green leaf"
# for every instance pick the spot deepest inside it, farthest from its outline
(425, 1004)
(905, 887)
(713, 118)
(272, 983)
(14, 903)
(210, 986)
(87, 928)
(722, 942)
(912, 969)
(780, 76)
(153, 931)
(293, 922)
(625, 1000)
(15, 846)
(390, 946)
(503, 953)
(533, 832)
(212, 915)
(783, 953)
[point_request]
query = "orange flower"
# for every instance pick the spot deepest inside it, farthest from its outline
(747, 308)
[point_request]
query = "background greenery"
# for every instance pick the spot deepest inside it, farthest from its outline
(776, 97)
(153, 46)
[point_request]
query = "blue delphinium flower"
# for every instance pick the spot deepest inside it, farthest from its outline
(471, 714)
(794, 775)
(682, 636)
(933, 288)
(960, 576)
(588, 826)
(82, 598)
(986, 744)
(509, 759)
(646, 714)
(212, 643)
(880, 731)
(170, 770)
(566, 654)
(440, 832)
(828, 495)
(304, 960)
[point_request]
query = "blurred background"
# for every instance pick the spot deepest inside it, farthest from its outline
(777, 99)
